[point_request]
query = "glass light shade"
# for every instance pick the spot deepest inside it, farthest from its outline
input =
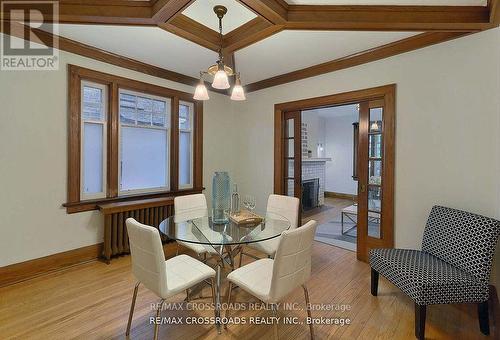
(221, 81)
(201, 93)
(238, 93)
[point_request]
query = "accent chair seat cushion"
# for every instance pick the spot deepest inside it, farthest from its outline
(427, 279)
(254, 278)
(184, 272)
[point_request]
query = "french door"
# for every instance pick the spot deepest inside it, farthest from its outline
(375, 159)
(375, 178)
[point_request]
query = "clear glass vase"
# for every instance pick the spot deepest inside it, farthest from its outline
(221, 197)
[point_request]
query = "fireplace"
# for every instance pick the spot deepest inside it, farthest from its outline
(310, 194)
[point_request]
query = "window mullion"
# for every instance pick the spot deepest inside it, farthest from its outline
(174, 153)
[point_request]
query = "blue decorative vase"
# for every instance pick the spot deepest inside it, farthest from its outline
(221, 197)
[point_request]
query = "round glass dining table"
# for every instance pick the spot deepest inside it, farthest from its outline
(225, 239)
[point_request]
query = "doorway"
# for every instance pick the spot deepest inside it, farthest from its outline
(371, 214)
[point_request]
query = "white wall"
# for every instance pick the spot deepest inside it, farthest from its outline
(447, 128)
(33, 159)
(315, 130)
(339, 147)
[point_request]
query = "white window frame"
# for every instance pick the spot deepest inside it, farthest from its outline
(191, 131)
(104, 123)
(168, 106)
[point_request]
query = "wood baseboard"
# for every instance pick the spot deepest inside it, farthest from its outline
(23, 271)
(341, 195)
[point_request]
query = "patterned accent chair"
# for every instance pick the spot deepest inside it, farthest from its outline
(454, 265)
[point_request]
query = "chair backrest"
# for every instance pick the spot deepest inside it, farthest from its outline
(463, 239)
(148, 259)
(190, 206)
(292, 261)
(285, 206)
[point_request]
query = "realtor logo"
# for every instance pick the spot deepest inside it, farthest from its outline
(29, 40)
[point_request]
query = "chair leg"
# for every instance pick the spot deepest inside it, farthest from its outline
(241, 257)
(158, 314)
(187, 295)
(132, 306)
(230, 288)
(177, 251)
(483, 315)
(274, 309)
(308, 305)
(374, 282)
(420, 312)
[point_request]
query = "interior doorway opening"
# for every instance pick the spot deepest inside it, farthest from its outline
(329, 150)
(363, 153)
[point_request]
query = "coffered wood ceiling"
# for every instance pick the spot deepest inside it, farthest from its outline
(261, 31)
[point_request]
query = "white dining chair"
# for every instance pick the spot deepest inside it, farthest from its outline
(187, 208)
(278, 206)
(270, 280)
(164, 278)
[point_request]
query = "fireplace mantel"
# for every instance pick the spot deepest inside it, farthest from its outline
(316, 159)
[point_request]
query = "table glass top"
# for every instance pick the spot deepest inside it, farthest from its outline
(203, 230)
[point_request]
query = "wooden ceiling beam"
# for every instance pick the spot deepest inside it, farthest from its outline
(117, 12)
(248, 34)
(274, 11)
(494, 8)
(388, 18)
(377, 53)
(192, 30)
(166, 10)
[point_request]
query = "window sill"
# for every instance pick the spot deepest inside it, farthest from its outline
(88, 205)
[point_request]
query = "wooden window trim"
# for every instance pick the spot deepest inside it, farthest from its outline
(114, 84)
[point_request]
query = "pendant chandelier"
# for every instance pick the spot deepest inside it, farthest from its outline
(219, 71)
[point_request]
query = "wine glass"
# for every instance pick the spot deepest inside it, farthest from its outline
(251, 203)
(246, 201)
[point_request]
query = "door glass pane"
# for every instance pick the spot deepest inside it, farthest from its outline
(376, 120)
(290, 167)
(290, 143)
(375, 145)
(375, 172)
(290, 127)
(290, 187)
(374, 210)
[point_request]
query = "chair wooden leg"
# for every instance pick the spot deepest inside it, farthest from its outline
(241, 257)
(308, 305)
(158, 314)
(132, 306)
(230, 288)
(374, 282)
(483, 315)
(274, 309)
(420, 312)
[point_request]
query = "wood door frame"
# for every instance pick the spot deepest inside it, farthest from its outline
(386, 92)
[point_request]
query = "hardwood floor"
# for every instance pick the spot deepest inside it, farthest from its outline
(337, 205)
(92, 301)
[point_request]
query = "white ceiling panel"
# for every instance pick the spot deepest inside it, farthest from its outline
(202, 11)
(391, 2)
(293, 50)
(151, 45)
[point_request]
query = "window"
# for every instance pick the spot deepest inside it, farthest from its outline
(186, 145)
(130, 140)
(93, 130)
(144, 143)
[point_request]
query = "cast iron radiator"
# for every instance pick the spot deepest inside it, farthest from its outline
(149, 211)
